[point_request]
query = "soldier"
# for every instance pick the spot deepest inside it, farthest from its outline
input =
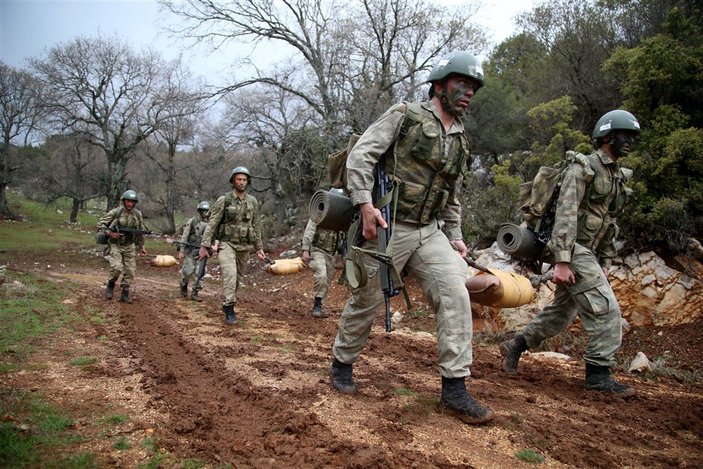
(122, 245)
(431, 150)
(192, 234)
(582, 247)
(319, 248)
(234, 222)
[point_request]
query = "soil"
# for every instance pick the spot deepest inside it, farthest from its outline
(257, 394)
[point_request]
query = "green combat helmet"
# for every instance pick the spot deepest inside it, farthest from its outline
(239, 170)
(458, 62)
(615, 120)
(130, 195)
(204, 205)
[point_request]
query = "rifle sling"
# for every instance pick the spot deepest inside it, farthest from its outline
(355, 269)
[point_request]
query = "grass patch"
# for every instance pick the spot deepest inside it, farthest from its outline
(403, 392)
(43, 227)
(30, 308)
(121, 444)
(32, 430)
(115, 419)
(83, 361)
(529, 455)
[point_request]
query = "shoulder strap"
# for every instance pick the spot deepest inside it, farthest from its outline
(116, 220)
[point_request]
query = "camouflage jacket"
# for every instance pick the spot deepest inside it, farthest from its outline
(193, 232)
(234, 221)
(427, 167)
(120, 217)
(325, 240)
(586, 212)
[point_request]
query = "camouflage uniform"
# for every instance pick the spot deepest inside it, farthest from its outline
(429, 166)
(322, 245)
(239, 232)
(192, 234)
(584, 235)
(122, 255)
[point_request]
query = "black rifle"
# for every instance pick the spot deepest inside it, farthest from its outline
(384, 186)
(201, 270)
(188, 245)
(132, 231)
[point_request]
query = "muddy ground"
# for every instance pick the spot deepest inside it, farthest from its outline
(257, 394)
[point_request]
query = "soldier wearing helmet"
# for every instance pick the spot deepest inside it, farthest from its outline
(234, 223)
(582, 246)
(319, 248)
(431, 151)
(122, 255)
(193, 230)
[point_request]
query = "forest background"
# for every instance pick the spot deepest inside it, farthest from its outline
(93, 116)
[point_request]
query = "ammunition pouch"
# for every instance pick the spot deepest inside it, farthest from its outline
(101, 237)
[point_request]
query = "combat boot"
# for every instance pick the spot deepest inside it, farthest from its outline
(184, 289)
(342, 379)
(317, 311)
(230, 318)
(511, 350)
(124, 297)
(598, 378)
(110, 289)
(457, 401)
(194, 296)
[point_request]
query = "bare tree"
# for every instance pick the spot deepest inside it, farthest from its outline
(578, 38)
(340, 56)
(73, 168)
(184, 108)
(20, 113)
(103, 90)
(281, 137)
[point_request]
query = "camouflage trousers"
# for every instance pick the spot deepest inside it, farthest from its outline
(425, 252)
(592, 299)
(232, 262)
(190, 268)
(123, 260)
(323, 268)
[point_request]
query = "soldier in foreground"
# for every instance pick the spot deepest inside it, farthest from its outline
(431, 150)
(188, 250)
(582, 247)
(122, 256)
(234, 222)
(319, 248)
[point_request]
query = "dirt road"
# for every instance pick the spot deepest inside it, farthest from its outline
(257, 394)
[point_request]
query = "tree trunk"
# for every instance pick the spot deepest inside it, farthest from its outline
(74, 210)
(5, 212)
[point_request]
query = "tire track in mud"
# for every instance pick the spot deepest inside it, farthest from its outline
(219, 415)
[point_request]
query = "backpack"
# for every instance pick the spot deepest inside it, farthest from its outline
(537, 198)
(337, 161)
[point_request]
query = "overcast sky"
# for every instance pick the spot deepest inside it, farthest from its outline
(28, 27)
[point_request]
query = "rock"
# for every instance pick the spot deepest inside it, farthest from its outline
(640, 364)
(395, 320)
(551, 355)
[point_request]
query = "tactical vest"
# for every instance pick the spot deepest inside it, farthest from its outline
(603, 201)
(424, 171)
(326, 240)
(124, 219)
(196, 230)
(236, 224)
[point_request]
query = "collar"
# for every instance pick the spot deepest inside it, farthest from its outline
(457, 126)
